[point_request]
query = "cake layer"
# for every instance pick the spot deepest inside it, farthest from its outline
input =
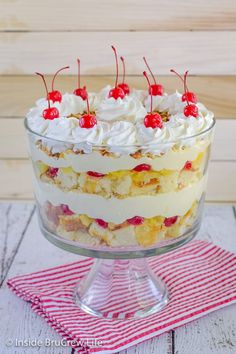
(125, 183)
(132, 232)
(103, 163)
(117, 210)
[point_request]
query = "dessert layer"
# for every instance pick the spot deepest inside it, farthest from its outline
(142, 180)
(135, 231)
(117, 210)
(102, 162)
(120, 123)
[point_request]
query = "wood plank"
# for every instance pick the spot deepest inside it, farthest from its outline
(203, 53)
(26, 15)
(19, 322)
(214, 333)
(19, 93)
(14, 219)
(12, 171)
(13, 142)
(222, 182)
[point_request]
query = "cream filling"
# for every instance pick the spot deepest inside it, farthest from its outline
(118, 210)
(172, 160)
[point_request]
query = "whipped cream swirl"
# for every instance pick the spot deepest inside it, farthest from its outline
(120, 124)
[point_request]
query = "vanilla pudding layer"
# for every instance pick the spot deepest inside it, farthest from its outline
(118, 210)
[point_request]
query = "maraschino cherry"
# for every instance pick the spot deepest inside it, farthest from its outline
(50, 112)
(80, 91)
(116, 92)
(152, 119)
(87, 120)
(55, 95)
(155, 89)
(123, 85)
(187, 96)
(191, 108)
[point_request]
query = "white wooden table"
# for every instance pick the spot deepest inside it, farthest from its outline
(23, 249)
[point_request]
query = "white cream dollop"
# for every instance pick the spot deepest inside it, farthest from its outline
(126, 109)
(121, 137)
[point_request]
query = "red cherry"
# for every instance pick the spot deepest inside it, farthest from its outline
(189, 97)
(125, 88)
(188, 165)
(52, 172)
(80, 91)
(116, 92)
(66, 210)
(123, 85)
(102, 223)
(153, 120)
(155, 89)
(142, 167)
(54, 95)
(50, 112)
(95, 174)
(87, 121)
(136, 220)
(191, 110)
(170, 221)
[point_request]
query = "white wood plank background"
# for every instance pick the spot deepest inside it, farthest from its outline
(27, 15)
(213, 334)
(203, 53)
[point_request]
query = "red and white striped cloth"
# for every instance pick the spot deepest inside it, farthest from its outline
(201, 278)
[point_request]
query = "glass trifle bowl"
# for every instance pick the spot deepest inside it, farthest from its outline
(120, 176)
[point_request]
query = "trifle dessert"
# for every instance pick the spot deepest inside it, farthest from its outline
(121, 167)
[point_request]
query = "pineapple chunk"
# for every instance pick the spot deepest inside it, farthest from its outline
(41, 168)
(86, 220)
(147, 234)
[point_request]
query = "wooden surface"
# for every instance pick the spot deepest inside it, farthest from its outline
(24, 250)
(27, 15)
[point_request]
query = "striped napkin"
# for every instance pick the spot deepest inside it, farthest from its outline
(201, 278)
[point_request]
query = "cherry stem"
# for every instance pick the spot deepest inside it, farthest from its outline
(114, 50)
(78, 61)
(42, 76)
(184, 80)
(124, 73)
(87, 101)
(149, 69)
(149, 84)
(185, 85)
(65, 67)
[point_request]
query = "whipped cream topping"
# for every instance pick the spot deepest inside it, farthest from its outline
(120, 124)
